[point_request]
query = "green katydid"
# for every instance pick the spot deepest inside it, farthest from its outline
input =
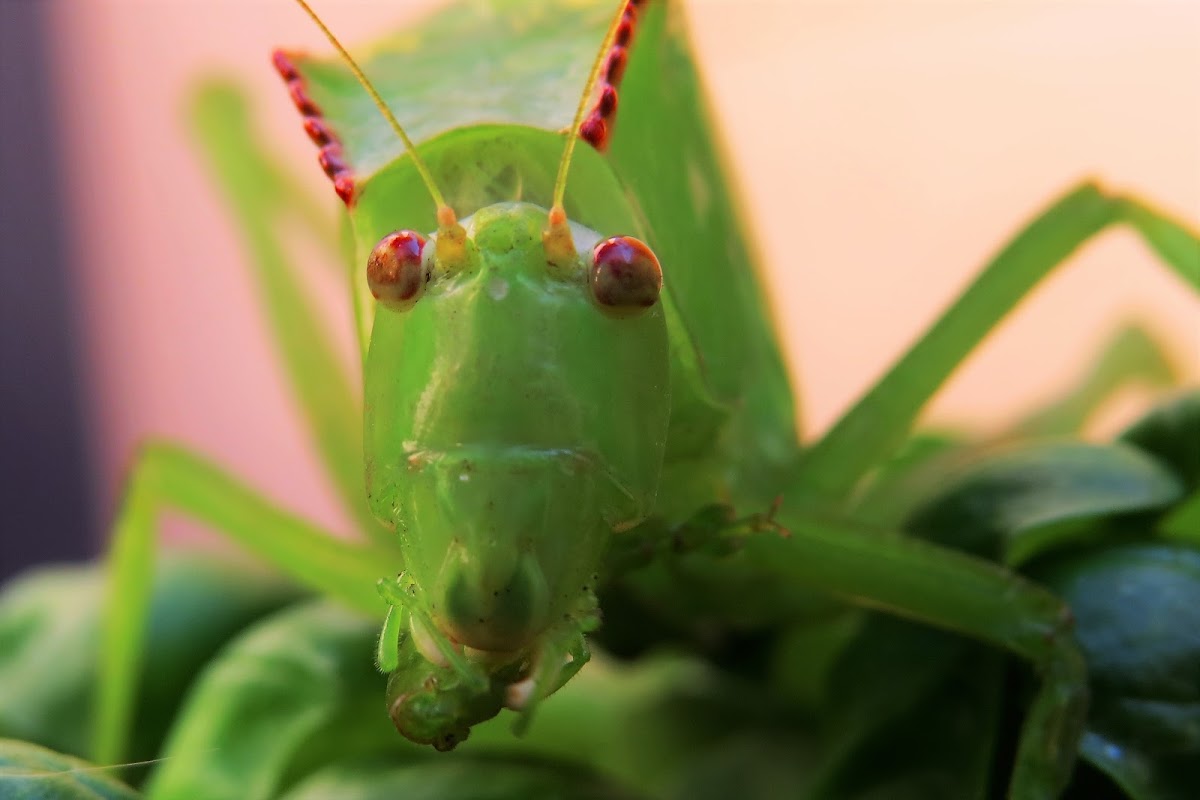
(518, 424)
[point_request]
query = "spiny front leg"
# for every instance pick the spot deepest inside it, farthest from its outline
(406, 603)
(563, 653)
(438, 689)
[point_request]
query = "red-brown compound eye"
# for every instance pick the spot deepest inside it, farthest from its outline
(395, 273)
(626, 277)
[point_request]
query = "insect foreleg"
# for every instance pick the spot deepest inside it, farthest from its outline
(261, 195)
(387, 649)
(563, 654)
(405, 602)
(878, 423)
(166, 476)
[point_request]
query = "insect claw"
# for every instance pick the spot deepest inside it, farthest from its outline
(767, 521)
(390, 590)
(775, 504)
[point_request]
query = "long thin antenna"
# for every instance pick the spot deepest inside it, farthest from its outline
(426, 176)
(560, 182)
(560, 247)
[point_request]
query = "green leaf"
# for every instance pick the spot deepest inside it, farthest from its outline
(297, 691)
(1183, 522)
(31, 772)
(639, 723)
(1171, 433)
(458, 779)
(711, 734)
(912, 713)
(1137, 613)
(1016, 504)
(49, 635)
(751, 763)
(806, 658)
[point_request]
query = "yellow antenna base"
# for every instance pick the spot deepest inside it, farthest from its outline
(557, 240)
(451, 253)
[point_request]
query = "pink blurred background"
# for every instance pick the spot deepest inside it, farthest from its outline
(885, 149)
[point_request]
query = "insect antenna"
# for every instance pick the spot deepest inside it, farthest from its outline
(451, 236)
(35, 773)
(560, 248)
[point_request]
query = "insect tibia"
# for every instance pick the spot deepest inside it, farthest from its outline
(562, 653)
(403, 594)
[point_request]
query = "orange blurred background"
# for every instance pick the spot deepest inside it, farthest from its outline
(885, 149)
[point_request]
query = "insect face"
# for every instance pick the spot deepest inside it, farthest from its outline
(511, 424)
